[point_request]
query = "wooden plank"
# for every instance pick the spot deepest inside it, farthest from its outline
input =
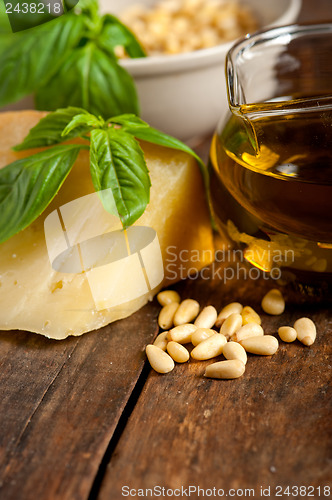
(28, 366)
(271, 427)
(62, 402)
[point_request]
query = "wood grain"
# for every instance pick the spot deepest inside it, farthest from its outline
(61, 403)
(271, 427)
(28, 367)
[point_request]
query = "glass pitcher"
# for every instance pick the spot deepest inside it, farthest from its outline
(271, 156)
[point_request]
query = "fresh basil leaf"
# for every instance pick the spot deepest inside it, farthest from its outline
(154, 136)
(141, 130)
(82, 123)
(49, 129)
(69, 4)
(5, 28)
(91, 6)
(117, 162)
(114, 33)
(27, 186)
(91, 79)
(128, 121)
(33, 55)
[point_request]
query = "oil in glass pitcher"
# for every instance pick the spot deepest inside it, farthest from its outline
(271, 157)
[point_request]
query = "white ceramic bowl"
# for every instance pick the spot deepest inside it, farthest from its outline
(185, 94)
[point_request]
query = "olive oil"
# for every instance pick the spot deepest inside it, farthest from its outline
(271, 184)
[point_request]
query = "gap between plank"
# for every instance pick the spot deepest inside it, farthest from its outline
(128, 409)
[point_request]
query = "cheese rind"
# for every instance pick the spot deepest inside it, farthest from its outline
(37, 298)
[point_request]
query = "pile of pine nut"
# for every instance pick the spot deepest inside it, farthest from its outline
(240, 331)
(175, 26)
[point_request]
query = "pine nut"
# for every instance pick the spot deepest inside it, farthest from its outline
(201, 334)
(160, 361)
(247, 331)
(225, 369)
(182, 333)
(161, 341)
(187, 311)
(233, 307)
(166, 316)
(273, 302)
(287, 333)
(206, 318)
(320, 265)
(250, 316)
(234, 350)
(209, 348)
(305, 330)
(177, 352)
(167, 297)
(231, 325)
(265, 345)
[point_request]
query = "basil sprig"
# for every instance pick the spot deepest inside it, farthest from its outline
(28, 185)
(71, 61)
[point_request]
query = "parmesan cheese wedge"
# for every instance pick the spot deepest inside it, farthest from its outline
(38, 298)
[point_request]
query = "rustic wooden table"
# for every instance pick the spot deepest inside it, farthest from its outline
(85, 417)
